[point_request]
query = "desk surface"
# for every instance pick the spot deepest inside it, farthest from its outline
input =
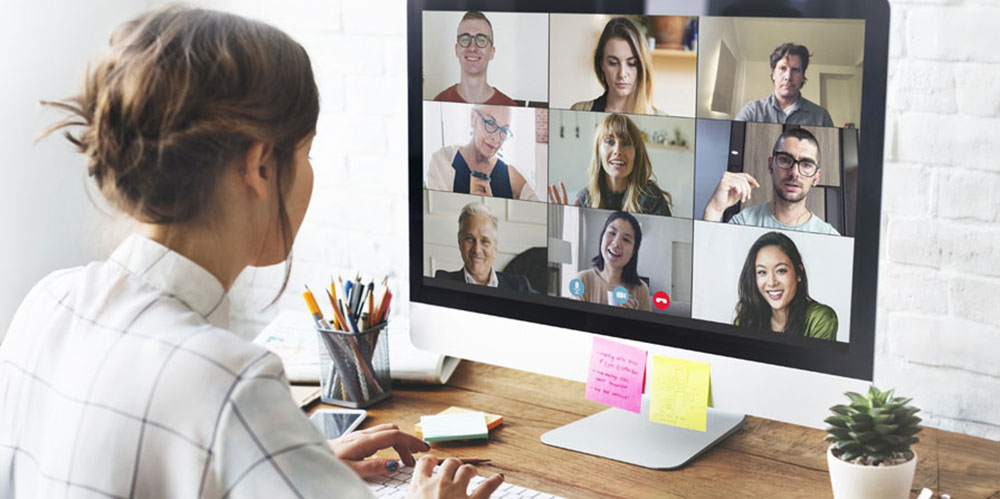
(763, 459)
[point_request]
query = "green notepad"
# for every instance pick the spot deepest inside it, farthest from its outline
(445, 427)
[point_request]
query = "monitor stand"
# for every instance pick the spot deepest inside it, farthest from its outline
(629, 437)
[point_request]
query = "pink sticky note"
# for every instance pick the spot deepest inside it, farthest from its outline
(616, 375)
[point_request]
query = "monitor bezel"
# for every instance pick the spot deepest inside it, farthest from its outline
(855, 361)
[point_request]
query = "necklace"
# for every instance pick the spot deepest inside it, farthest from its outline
(772, 206)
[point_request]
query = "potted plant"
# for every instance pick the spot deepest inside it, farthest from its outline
(870, 453)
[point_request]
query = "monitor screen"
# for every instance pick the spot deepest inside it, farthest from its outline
(687, 180)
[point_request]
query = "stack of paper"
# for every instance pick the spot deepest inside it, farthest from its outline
(446, 427)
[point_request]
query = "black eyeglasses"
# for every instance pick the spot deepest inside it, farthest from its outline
(482, 41)
(785, 161)
(491, 126)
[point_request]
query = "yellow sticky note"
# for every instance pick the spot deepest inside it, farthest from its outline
(680, 392)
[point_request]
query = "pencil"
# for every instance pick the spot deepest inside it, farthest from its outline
(314, 309)
(333, 303)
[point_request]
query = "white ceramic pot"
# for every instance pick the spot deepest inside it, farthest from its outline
(855, 481)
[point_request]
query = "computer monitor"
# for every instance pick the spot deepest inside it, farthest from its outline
(702, 179)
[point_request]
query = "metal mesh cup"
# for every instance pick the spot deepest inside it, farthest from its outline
(354, 367)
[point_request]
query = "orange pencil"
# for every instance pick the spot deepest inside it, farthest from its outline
(314, 309)
(336, 316)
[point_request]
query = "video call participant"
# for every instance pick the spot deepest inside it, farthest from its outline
(623, 66)
(794, 168)
(474, 48)
(617, 264)
(774, 292)
(475, 168)
(477, 242)
(787, 105)
(620, 175)
(121, 378)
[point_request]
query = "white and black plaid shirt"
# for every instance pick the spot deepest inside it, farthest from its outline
(119, 379)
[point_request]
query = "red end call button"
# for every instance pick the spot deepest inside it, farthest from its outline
(661, 300)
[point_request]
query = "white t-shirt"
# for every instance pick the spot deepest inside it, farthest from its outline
(760, 216)
(119, 379)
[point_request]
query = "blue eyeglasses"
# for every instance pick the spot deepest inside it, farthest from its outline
(491, 126)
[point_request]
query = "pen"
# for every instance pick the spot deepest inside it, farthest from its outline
(473, 460)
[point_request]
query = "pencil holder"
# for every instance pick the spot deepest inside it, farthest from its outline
(354, 367)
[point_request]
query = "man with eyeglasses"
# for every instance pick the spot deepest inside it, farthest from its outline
(794, 168)
(787, 105)
(474, 49)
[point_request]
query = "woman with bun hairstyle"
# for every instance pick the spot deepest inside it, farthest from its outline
(120, 378)
(623, 66)
(620, 175)
(774, 292)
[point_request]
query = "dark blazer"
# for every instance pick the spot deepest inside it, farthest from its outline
(504, 281)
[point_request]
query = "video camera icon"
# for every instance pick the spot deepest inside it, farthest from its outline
(620, 295)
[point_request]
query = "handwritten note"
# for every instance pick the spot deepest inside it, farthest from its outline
(680, 392)
(616, 375)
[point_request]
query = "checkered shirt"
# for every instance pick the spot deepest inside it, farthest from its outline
(119, 379)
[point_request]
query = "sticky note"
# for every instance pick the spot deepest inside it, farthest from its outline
(616, 375)
(680, 392)
(443, 427)
(492, 420)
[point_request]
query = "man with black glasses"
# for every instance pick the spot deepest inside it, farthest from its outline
(794, 168)
(474, 49)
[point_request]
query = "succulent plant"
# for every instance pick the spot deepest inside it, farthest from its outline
(875, 428)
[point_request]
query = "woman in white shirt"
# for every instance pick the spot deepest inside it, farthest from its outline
(120, 378)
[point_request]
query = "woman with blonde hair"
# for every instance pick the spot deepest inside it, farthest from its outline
(623, 66)
(120, 378)
(620, 175)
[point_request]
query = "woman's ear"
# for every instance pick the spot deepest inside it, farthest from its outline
(255, 170)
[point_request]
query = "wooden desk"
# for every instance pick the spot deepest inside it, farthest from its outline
(764, 459)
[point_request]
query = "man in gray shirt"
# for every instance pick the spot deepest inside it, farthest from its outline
(787, 105)
(794, 169)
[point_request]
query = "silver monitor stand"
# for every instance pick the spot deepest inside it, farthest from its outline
(625, 436)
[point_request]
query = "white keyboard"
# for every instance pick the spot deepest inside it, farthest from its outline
(397, 485)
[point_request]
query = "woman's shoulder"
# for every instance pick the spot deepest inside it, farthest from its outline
(588, 275)
(819, 310)
(582, 106)
(821, 321)
(654, 200)
(446, 153)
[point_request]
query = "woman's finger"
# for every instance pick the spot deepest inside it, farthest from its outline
(565, 197)
(465, 473)
(373, 467)
(425, 466)
(488, 487)
(448, 468)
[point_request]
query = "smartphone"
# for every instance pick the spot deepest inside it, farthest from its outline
(333, 423)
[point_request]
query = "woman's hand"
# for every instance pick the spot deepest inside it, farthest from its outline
(632, 303)
(355, 447)
(732, 188)
(480, 187)
(451, 481)
(557, 195)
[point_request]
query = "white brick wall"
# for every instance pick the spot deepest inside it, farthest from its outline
(939, 313)
(939, 289)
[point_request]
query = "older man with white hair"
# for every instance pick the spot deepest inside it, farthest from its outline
(477, 242)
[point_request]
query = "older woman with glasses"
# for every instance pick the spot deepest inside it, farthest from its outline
(475, 168)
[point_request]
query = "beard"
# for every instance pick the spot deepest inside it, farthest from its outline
(791, 198)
